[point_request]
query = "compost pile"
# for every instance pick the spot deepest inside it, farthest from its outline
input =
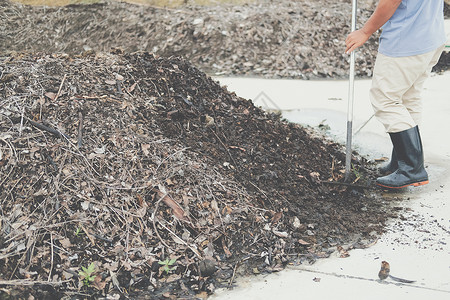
(296, 39)
(284, 38)
(166, 182)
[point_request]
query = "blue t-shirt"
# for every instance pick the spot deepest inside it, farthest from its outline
(416, 27)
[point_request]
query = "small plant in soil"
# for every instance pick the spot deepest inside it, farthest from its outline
(166, 265)
(356, 172)
(87, 274)
(78, 232)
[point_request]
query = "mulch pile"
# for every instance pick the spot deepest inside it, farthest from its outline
(284, 38)
(129, 160)
(298, 39)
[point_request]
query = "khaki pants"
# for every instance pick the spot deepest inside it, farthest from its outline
(397, 83)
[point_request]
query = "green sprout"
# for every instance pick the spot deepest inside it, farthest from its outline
(166, 265)
(356, 172)
(78, 232)
(87, 274)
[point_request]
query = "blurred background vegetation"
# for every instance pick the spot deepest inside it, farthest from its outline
(162, 3)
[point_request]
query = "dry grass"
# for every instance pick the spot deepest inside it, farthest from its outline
(162, 3)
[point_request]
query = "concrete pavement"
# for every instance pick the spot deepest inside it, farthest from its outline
(417, 246)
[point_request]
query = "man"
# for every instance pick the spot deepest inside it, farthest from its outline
(411, 43)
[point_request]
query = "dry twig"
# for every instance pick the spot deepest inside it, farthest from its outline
(60, 87)
(153, 218)
(80, 130)
(25, 282)
(51, 259)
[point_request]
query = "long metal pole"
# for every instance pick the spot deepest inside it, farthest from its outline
(351, 94)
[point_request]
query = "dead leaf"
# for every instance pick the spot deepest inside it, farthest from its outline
(168, 295)
(65, 243)
(209, 120)
(50, 95)
(125, 105)
(296, 223)
(132, 87)
(113, 266)
(280, 234)
(342, 252)
(126, 265)
(303, 242)
(98, 283)
(225, 249)
(172, 278)
(145, 148)
(202, 295)
(276, 217)
(277, 268)
(140, 200)
(66, 275)
(227, 210)
(215, 206)
(110, 82)
(85, 205)
(114, 280)
(177, 210)
(100, 150)
(381, 159)
(315, 176)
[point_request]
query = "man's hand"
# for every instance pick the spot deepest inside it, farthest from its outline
(383, 12)
(355, 40)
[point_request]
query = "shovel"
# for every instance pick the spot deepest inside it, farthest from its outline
(351, 93)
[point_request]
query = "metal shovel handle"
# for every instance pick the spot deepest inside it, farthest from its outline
(351, 94)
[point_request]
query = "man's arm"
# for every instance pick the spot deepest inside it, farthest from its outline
(383, 12)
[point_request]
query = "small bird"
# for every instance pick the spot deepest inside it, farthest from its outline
(384, 273)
